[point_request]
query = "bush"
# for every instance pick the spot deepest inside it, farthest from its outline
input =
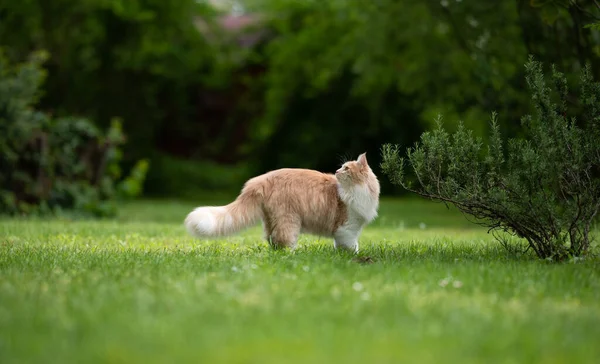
(544, 187)
(53, 164)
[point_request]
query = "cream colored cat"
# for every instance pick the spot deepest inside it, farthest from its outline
(293, 201)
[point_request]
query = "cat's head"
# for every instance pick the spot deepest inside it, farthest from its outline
(357, 172)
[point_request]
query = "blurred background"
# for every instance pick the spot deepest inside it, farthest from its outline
(211, 92)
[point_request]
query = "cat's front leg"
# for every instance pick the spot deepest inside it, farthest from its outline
(346, 237)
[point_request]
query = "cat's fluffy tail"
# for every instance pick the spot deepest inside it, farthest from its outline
(214, 221)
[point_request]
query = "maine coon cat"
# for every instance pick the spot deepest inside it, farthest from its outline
(293, 201)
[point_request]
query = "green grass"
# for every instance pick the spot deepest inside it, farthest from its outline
(138, 289)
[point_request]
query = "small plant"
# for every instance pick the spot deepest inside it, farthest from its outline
(55, 164)
(544, 188)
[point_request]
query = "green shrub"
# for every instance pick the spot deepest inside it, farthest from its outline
(544, 187)
(55, 164)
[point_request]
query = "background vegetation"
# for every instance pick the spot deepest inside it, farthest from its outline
(55, 164)
(236, 88)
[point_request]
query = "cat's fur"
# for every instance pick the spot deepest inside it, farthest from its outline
(292, 201)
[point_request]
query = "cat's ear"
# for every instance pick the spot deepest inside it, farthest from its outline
(362, 159)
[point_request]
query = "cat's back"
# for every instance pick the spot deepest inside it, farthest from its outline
(294, 180)
(299, 175)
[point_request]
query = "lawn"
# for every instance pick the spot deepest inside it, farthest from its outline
(427, 287)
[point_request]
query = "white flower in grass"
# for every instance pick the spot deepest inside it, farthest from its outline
(444, 282)
(457, 284)
(357, 286)
(365, 296)
(422, 226)
(235, 269)
(306, 268)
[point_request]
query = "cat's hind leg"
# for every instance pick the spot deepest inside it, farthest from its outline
(282, 231)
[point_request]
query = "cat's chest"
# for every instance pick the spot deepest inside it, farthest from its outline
(360, 204)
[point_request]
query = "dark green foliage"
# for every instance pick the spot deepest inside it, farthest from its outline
(329, 79)
(53, 164)
(544, 187)
(143, 61)
(346, 75)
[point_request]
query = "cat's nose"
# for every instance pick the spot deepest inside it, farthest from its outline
(338, 171)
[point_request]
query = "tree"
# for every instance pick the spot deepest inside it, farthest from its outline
(138, 60)
(544, 187)
(346, 69)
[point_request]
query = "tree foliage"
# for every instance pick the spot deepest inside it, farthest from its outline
(544, 187)
(329, 78)
(51, 164)
(137, 60)
(145, 62)
(361, 72)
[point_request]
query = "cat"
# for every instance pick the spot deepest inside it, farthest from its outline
(291, 201)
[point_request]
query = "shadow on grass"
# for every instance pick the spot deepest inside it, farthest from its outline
(443, 252)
